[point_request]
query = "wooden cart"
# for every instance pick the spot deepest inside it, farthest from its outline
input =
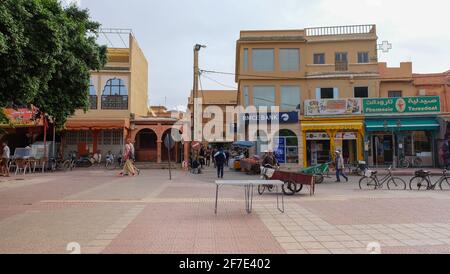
(293, 182)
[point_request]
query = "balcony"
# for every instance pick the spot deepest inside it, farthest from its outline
(93, 99)
(340, 30)
(341, 66)
(115, 102)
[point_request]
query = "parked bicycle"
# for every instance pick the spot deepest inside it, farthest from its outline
(373, 182)
(405, 163)
(265, 176)
(357, 168)
(422, 181)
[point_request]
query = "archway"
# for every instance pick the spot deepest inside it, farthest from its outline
(176, 151)
(146, 146)
(287, 149)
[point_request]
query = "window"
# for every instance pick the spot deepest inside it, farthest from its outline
(106, 137)
(341, 61)
(245, 59)
(116, 137)
(319, 58)
(115, 95)
(246, 97)
(264, 96)
(263, 59)
(115, 86)
(92, 95)
(72, 138)
(361, 92)
(395, 94)
(289, 59)
(327, 93)
(363, 57)
(290, 98)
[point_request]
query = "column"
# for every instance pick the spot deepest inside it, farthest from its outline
(332, 135)
(360, 146)
(158, 151)
(305, 150)
(186, 152)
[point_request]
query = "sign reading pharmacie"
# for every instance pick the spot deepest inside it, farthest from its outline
(333, 107)
(405, 105)
(279, 117)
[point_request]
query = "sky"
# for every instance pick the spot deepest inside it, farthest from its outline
(167, 31)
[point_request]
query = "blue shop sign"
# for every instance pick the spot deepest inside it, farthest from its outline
(281, 117)
(280, 152)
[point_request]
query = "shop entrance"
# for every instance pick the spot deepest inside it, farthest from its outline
(347, 143)
(318, 147)
(383, 150)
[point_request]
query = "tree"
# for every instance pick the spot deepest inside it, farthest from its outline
(46, 55)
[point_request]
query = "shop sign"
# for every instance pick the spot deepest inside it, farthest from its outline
(281, 117)
(406, 105)
(280, 152)
(22, 117)
(315, 136)
(347, 135)
(333, 107)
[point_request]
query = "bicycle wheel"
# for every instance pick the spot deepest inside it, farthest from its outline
(404, 163)
(418, 162)
(288, 188)
(367, 183)
(419, 183)
(261, 189)
(111, 166)
(396, 183)
(444, 184)
(319, 178)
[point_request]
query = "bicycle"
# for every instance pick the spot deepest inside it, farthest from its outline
(422, 181)
(116, 164)
(372, 181)
(405, 163)
(264, 176)
(357, 168)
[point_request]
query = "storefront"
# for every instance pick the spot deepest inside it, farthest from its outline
(286, 139)
(331, 125)
(402, 132)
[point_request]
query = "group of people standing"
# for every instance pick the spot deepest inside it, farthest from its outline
(204, 156)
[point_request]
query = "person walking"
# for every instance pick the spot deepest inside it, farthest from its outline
(220, 159)
(340, 167)
(5, 160)
(128, 168)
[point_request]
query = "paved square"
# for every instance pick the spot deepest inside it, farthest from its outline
(43, 213)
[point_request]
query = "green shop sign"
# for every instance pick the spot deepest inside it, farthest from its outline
(406, 105)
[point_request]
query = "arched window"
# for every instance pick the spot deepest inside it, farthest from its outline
(115, 95)
(92, 95)
(114, 87)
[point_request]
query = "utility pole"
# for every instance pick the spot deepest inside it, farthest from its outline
(197, 49)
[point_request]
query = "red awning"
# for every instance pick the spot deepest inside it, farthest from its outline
(96, 125)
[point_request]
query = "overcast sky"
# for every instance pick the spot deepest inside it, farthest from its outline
(167, 30)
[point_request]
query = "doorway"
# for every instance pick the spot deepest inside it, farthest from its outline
(383, 148)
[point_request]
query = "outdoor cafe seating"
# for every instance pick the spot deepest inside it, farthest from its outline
(28, 160)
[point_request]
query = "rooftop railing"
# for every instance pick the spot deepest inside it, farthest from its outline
(340, 30)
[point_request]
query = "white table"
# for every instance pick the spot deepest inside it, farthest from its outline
(249, 189)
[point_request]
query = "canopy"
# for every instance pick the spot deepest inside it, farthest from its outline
(244, 144)
(96, 125)
(402, 124)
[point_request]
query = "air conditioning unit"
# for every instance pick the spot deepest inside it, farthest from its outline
(422, 92)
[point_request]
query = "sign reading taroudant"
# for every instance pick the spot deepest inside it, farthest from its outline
(407, 105)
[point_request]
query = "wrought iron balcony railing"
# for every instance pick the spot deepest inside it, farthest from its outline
(93, 99)
(341, 66)
(119, 102)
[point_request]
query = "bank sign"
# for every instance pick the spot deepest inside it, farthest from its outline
(281, 117)
(406, 105)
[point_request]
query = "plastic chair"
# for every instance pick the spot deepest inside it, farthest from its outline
(22, 164)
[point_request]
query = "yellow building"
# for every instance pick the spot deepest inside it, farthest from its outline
(118, 93)
(313, 67)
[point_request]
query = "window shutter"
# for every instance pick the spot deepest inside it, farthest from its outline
(335, 93)
(318, 95)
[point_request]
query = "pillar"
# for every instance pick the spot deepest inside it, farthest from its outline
(305, 150)
(360, 146)
(95, 141)
(158, 151)
(186, 152)
(332, 135)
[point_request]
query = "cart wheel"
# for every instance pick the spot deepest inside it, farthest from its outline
(288, 188)
(319, 178)
(261, 189)
(299, 188)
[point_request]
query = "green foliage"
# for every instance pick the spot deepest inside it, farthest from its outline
(47, 53)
